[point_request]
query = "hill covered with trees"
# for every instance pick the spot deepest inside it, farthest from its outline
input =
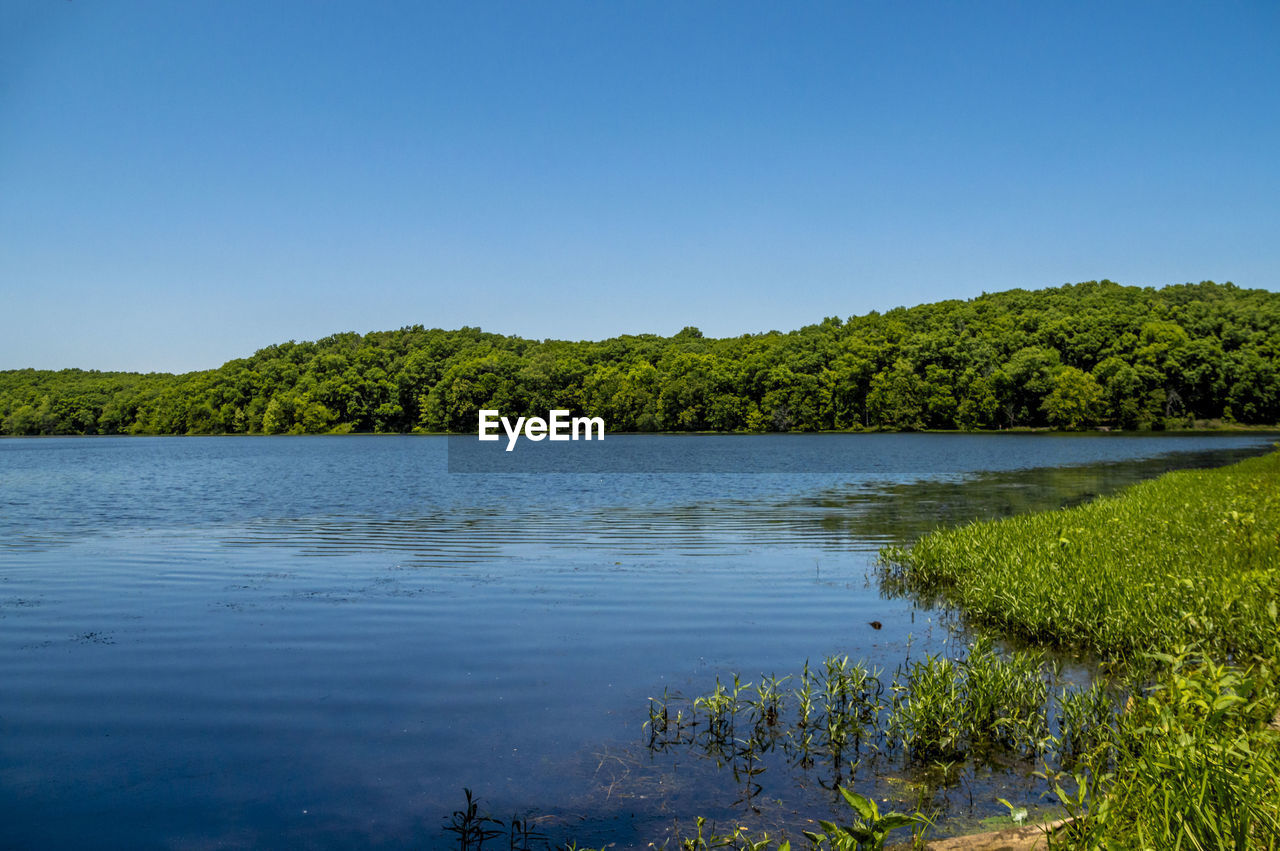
(1076, 356)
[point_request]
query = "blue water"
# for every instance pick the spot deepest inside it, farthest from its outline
(318, 642)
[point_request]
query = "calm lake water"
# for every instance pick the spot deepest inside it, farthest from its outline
(318, 642)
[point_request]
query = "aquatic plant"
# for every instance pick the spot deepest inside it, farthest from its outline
(1196, 764)
(1086, 718)
(941, 711)
(767, 706)
(800, 736)
(1005, 699)
(869, 829)
(1193, 556)
(720, 709)
(472, 829)
(851, 700)
(740, 839)
(522, 835)
(1190, 560)
(928, 705)
(668, 725)
(1191, 761)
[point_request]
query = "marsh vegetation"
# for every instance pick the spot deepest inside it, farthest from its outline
(1173, 584)
(1189, 558)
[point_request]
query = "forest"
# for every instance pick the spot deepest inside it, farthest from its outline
(1073, 357)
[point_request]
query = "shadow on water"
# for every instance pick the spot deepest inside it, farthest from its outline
(882, 513)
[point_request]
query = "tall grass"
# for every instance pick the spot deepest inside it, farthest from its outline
(1190, 557)
(1194, 763)
(1182, 571)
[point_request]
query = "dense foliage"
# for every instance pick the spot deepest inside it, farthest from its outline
(1193, 762)
(1190, 557)
(1071, 357)
(1183, 570)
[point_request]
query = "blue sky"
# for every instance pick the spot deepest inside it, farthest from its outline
(184, 183)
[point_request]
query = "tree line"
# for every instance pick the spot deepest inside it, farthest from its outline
(1071, 357)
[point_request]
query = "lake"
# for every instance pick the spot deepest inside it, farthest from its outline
(320, 641)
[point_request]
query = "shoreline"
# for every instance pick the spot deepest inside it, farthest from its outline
(1236, 429)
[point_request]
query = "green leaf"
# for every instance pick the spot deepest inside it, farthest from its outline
(893, 821)
(865, 807)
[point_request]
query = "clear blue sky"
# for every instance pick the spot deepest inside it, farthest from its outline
(182, 183)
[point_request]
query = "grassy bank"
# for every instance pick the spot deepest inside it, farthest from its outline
(1190, 558)
(1182, 572)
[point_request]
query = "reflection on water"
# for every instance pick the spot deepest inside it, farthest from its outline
(282, 642)
(862, 514)
(897, 512)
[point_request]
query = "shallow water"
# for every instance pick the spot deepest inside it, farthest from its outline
(318, 642)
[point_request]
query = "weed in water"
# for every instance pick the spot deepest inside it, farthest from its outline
(1005, 699)
(928, 703)
(1086, 718)
(472, 829)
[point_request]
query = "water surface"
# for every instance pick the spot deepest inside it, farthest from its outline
(318, 642)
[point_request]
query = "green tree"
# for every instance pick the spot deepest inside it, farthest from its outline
(1075, 400)
(896, 398)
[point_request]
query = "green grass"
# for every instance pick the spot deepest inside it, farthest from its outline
(1086, 718)
(934, 710)
(1193, 763)
(1190, 557)
(1180, 577)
